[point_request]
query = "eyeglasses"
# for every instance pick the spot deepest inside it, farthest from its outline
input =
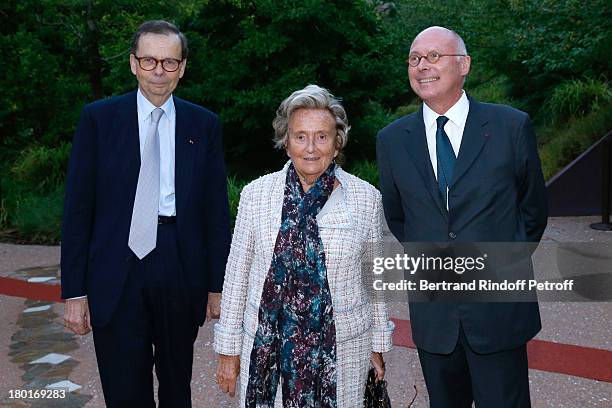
(432, 57)
(301, 139)
(150, 63)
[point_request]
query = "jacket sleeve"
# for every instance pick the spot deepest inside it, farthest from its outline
(79, 208)
(218, 233)
(382, 328)
(229, 329)
(532, 200)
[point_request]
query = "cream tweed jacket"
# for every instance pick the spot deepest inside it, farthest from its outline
(351, 229)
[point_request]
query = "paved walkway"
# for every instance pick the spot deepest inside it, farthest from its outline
(570, 360)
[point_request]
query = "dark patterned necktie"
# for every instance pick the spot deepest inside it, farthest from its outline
(445, 156)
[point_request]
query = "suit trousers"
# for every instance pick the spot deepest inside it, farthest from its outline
(153, 325)
(495, 380)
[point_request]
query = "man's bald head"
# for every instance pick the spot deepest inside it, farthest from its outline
(445, 32)
(438, 65)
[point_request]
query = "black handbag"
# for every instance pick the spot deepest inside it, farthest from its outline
(376, 395)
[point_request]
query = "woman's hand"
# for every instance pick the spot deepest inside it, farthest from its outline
(228, 369)
(379, 365)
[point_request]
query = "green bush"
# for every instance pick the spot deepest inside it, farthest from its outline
(41, 168)
(366, 170)
(38, 217)
(577, 97)
(32, 193)
(568, 141)
(406, 110)
(493, 89)
(234, 188)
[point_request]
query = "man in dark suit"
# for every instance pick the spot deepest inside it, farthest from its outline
(459, 170)
(146, 232)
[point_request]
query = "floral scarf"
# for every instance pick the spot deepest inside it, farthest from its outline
(296, 336)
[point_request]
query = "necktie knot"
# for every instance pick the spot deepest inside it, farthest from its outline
(156, 115)
(441, 121)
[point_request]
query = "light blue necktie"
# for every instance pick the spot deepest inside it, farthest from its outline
(445, 156)
(143, 228)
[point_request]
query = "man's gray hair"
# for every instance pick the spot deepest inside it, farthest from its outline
(311, 97)
(461, 48)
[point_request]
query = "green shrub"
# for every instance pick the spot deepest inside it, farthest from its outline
(494, 89)
(375, 118)
(32, 193)
(234, 188)
(567, 141)
(406, 110)
(38, 217)
(366, 170)
(577, 97)
(41, 168)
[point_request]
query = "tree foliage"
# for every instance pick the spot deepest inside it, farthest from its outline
(246, 57)
(549, 57)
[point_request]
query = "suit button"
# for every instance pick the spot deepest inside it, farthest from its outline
(452, 235)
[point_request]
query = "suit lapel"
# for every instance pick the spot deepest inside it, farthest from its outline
(472, 142)
(126, 128)
(185, 144)
(415, 144)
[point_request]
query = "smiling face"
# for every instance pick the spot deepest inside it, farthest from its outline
(157, 85)
(439, 85)
(311, 143)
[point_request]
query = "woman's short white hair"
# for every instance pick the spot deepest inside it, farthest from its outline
(311, 97)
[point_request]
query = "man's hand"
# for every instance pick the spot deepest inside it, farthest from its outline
(228, 369)
(213, 308)
(76, 315)
(379, 365)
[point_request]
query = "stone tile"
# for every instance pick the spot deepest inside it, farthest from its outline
(37, 270)
(48, 331)
(51, 358)
(43, 347)
(60, 371)
(38, 320)
(40, 279)
(12, 403)
(37, 309)
(35, 371)
(18, 347)
(25, 356)
(72, 400)
(34, 302)
(64, 384)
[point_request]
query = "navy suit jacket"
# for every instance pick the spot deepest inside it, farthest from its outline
(497, 194)
(100, 189)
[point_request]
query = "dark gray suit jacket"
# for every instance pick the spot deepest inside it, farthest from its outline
(497, 195)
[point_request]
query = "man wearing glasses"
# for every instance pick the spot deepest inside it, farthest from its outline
(145, 232)
(459, 170)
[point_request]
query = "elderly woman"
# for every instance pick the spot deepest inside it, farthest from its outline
(295, 308)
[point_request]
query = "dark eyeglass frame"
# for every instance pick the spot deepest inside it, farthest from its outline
(432, 57)
(157, 62)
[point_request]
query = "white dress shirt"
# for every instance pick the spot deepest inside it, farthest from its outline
(166, 129)
(457, 116)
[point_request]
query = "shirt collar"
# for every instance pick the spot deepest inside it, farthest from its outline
(456, 114)
(145, 107)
